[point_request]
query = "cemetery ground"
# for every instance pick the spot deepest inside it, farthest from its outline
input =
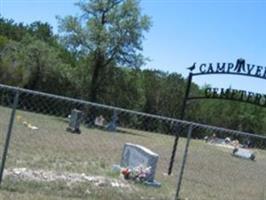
(52, 164)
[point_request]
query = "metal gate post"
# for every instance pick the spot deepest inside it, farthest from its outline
(8, 135)
(180, 177)
(184, 105)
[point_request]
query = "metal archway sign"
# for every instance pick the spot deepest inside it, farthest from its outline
(240, 68)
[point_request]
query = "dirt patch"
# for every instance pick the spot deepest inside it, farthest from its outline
(50, 176)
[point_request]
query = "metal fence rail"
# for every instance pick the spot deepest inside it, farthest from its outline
(142, 114)
(44, 152)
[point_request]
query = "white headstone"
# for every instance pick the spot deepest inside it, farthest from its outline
(135, 155)
(244, 153)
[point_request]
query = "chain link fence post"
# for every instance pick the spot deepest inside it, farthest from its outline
(8, 135)
(180, 177)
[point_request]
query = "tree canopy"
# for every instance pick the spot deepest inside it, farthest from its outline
(108, 32)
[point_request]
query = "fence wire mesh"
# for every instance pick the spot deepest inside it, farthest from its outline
(49, 156)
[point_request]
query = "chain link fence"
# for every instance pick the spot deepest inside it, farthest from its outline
(53, 156)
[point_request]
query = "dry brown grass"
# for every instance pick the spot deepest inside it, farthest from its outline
(211, 172)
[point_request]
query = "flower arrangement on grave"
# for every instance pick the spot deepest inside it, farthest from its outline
(139, 173)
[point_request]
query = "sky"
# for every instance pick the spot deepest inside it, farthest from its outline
(183, 32)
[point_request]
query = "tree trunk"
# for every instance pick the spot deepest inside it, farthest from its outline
(35, 79)
(95, 79)
(91, 112)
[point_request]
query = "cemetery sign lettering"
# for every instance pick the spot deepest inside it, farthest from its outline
(234, 94)
(239, 68)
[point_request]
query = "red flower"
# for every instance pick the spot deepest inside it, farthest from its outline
(125, 172)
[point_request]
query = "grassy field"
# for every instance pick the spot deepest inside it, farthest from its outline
(211, 172)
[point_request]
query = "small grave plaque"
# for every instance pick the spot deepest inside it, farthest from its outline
(135, 155)
(244, 153)
(74, 123)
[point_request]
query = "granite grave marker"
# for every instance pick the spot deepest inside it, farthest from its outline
(135, 155)
(75, 120)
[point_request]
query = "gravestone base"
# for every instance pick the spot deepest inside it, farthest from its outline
(153, 183)
(73, 130)
(111, 127)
